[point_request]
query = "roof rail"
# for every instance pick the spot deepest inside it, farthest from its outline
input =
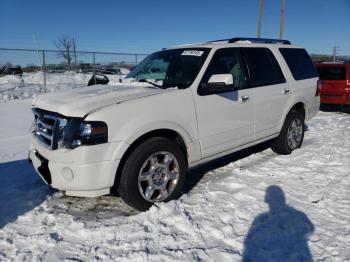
(220, 40)
(259, 40)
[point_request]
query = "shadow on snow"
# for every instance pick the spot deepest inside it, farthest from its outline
(281, 234)
(21, 190)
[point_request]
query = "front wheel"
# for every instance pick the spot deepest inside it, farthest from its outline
(154, 171)
(292, 134)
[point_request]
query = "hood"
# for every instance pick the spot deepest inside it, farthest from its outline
(80, 102)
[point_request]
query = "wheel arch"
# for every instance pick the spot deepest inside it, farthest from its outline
(300, 106)
(168, 133)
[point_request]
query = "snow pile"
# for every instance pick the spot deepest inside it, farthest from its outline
(124, 70)
(14, 87)
(228, 208)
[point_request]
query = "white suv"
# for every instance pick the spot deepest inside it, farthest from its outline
(178, 108)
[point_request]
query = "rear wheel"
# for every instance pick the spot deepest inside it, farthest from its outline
(154, 171)
(292, 134)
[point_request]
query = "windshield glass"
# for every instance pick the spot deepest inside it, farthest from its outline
(174, 68)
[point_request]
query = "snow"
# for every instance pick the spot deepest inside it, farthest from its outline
(94, 97)
(13, 87)
(124, 71)
(221, 216)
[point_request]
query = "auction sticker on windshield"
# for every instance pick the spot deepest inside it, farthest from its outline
(193, 52)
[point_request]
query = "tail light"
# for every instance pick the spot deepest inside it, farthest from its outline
(318, 88)
(347, 89)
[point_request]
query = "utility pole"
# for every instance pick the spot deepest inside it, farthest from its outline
(44, 69)
(68, 57)
(37, 50)
(282, 20)
(335, 52)
(75, 53)
(259, 18)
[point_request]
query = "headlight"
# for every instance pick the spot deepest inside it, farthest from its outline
(78, 132)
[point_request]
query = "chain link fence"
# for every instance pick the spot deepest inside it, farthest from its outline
(22, 70)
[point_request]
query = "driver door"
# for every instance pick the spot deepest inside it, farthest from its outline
(225, 120)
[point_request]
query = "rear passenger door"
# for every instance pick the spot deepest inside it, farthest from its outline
(271, 90)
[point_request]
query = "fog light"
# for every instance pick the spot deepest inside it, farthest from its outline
(67, 174)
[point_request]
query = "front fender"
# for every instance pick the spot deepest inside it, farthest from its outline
(130, 120)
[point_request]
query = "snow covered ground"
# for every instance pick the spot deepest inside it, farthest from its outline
(13, 87)
(230, 208)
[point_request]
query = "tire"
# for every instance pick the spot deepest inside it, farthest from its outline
(282, 144)
(157, 164)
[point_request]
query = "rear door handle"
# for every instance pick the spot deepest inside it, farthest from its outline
(286, 91)
(244, 99)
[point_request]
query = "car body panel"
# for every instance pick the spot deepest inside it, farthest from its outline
(92, 98)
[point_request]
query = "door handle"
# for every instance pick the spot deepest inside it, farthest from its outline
(244, 99)
(286, 91)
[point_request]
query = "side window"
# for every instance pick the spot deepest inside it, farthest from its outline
(263, 67)
(227, 61)
(299, 63)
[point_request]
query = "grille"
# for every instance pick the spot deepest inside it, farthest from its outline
(48, 127)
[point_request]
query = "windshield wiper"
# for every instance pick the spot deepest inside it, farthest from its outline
(149, 82)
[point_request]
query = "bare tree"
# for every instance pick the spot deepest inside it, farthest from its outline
(66, 46)
(8, 65)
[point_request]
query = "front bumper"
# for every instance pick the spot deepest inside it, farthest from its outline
(87, 171)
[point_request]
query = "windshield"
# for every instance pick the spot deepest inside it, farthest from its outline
(173, 68)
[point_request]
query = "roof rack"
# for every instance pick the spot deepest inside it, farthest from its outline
(259, 40)
(254, 40)
(219, 40)
(332, 62)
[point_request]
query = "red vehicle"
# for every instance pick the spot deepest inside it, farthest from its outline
(335, 82)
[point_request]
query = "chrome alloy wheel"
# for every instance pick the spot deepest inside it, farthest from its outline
(295, 133)
(158, 176)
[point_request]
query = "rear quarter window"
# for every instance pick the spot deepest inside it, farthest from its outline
(299, 63)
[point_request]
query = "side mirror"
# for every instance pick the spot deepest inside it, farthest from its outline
(224, 79)
(98, 79)
(218, 84)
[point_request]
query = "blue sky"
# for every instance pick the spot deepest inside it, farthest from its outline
(147, 26)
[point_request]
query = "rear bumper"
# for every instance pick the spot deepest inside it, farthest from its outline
(336, 99)
(88, 171)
